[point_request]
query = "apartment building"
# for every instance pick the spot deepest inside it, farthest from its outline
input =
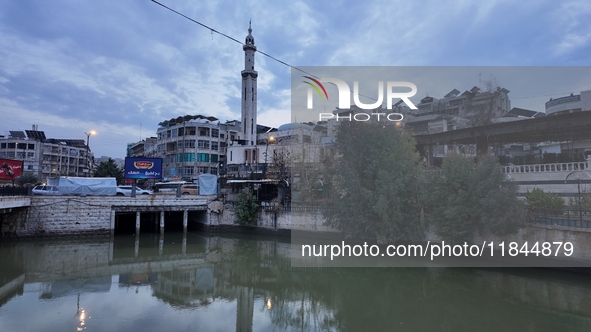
(47, 157)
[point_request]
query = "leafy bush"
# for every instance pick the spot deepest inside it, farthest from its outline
(245, 208)
(538, 201)
(27, 177)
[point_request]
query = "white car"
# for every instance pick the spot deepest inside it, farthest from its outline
(45, 190)
(126, 191)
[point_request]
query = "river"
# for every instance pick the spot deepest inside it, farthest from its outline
(240, 283)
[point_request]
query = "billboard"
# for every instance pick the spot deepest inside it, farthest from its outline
(10, 169)
(143, 168)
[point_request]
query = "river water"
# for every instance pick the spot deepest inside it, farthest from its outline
(239, 283)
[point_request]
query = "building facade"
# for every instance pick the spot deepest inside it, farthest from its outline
(193, 145)
(45, 157)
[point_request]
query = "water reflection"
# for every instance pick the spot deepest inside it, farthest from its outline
(194, 282)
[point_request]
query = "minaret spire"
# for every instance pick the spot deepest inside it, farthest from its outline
(249, 91)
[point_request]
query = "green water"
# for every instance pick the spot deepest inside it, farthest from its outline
(225, 283)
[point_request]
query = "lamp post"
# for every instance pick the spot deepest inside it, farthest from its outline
(269, 139)
(92, 132)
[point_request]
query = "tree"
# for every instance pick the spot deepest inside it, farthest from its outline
(489, 107)
(467, 197)
(374, 183)
(245, 208)
(108, 169)
(27, 177)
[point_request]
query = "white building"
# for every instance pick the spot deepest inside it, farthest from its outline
(568, 104)
(47, 157)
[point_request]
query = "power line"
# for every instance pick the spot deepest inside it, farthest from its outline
(241, 43)
(230, 37)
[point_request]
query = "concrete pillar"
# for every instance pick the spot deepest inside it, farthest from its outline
(161, 244)
(137, 223)
(112, 222)
(185, 220)
(184, 243)
(161, 222)
(481, 146)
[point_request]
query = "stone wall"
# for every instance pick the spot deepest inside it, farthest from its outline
(269, 219)
(91, 215)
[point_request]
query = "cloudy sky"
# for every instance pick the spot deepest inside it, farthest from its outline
(121, 67)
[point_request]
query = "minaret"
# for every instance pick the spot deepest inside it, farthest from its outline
(249, 92)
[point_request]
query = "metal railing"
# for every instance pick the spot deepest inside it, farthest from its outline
(570, 217)
(14, 191)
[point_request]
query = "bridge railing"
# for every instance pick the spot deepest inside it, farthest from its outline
(13, 191)
(541, 168)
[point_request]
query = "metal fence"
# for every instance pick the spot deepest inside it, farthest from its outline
(570, 217)
(13, 191)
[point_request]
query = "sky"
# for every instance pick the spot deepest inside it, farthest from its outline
(121, 67)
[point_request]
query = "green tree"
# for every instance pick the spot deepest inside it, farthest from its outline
(27, 177)
(467, 197)
(108, 169)
(373, 183)
(245, 208)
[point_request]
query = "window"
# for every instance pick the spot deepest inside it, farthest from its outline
(2, 145)
(214, 146)
(203, 157)
(188, 170)
(185, 157)
(215, 132)
(214, 158)
(174, 132)
(202, 169)
(203, 131)
(201, 144)
(11, 145)
(190, 143)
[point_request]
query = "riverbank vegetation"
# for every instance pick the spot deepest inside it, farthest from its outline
(381, 190)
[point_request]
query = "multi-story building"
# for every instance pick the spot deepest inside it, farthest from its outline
(568, 104)
(478, 107)
(193, 145)
(144, 148)
(47, 157)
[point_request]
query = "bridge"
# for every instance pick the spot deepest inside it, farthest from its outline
(552, 128)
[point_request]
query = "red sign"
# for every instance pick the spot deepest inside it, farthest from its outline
(10, 169)
(143, 164)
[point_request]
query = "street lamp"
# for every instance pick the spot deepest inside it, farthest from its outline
(269, 139)
(92, 132)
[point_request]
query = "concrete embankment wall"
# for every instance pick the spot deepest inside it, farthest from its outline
(280, 220)
(78, 216)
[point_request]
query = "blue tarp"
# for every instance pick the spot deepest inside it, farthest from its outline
(208, 184)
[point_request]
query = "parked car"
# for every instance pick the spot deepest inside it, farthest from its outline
(190, 189)
(126, 191)
(45, 190)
